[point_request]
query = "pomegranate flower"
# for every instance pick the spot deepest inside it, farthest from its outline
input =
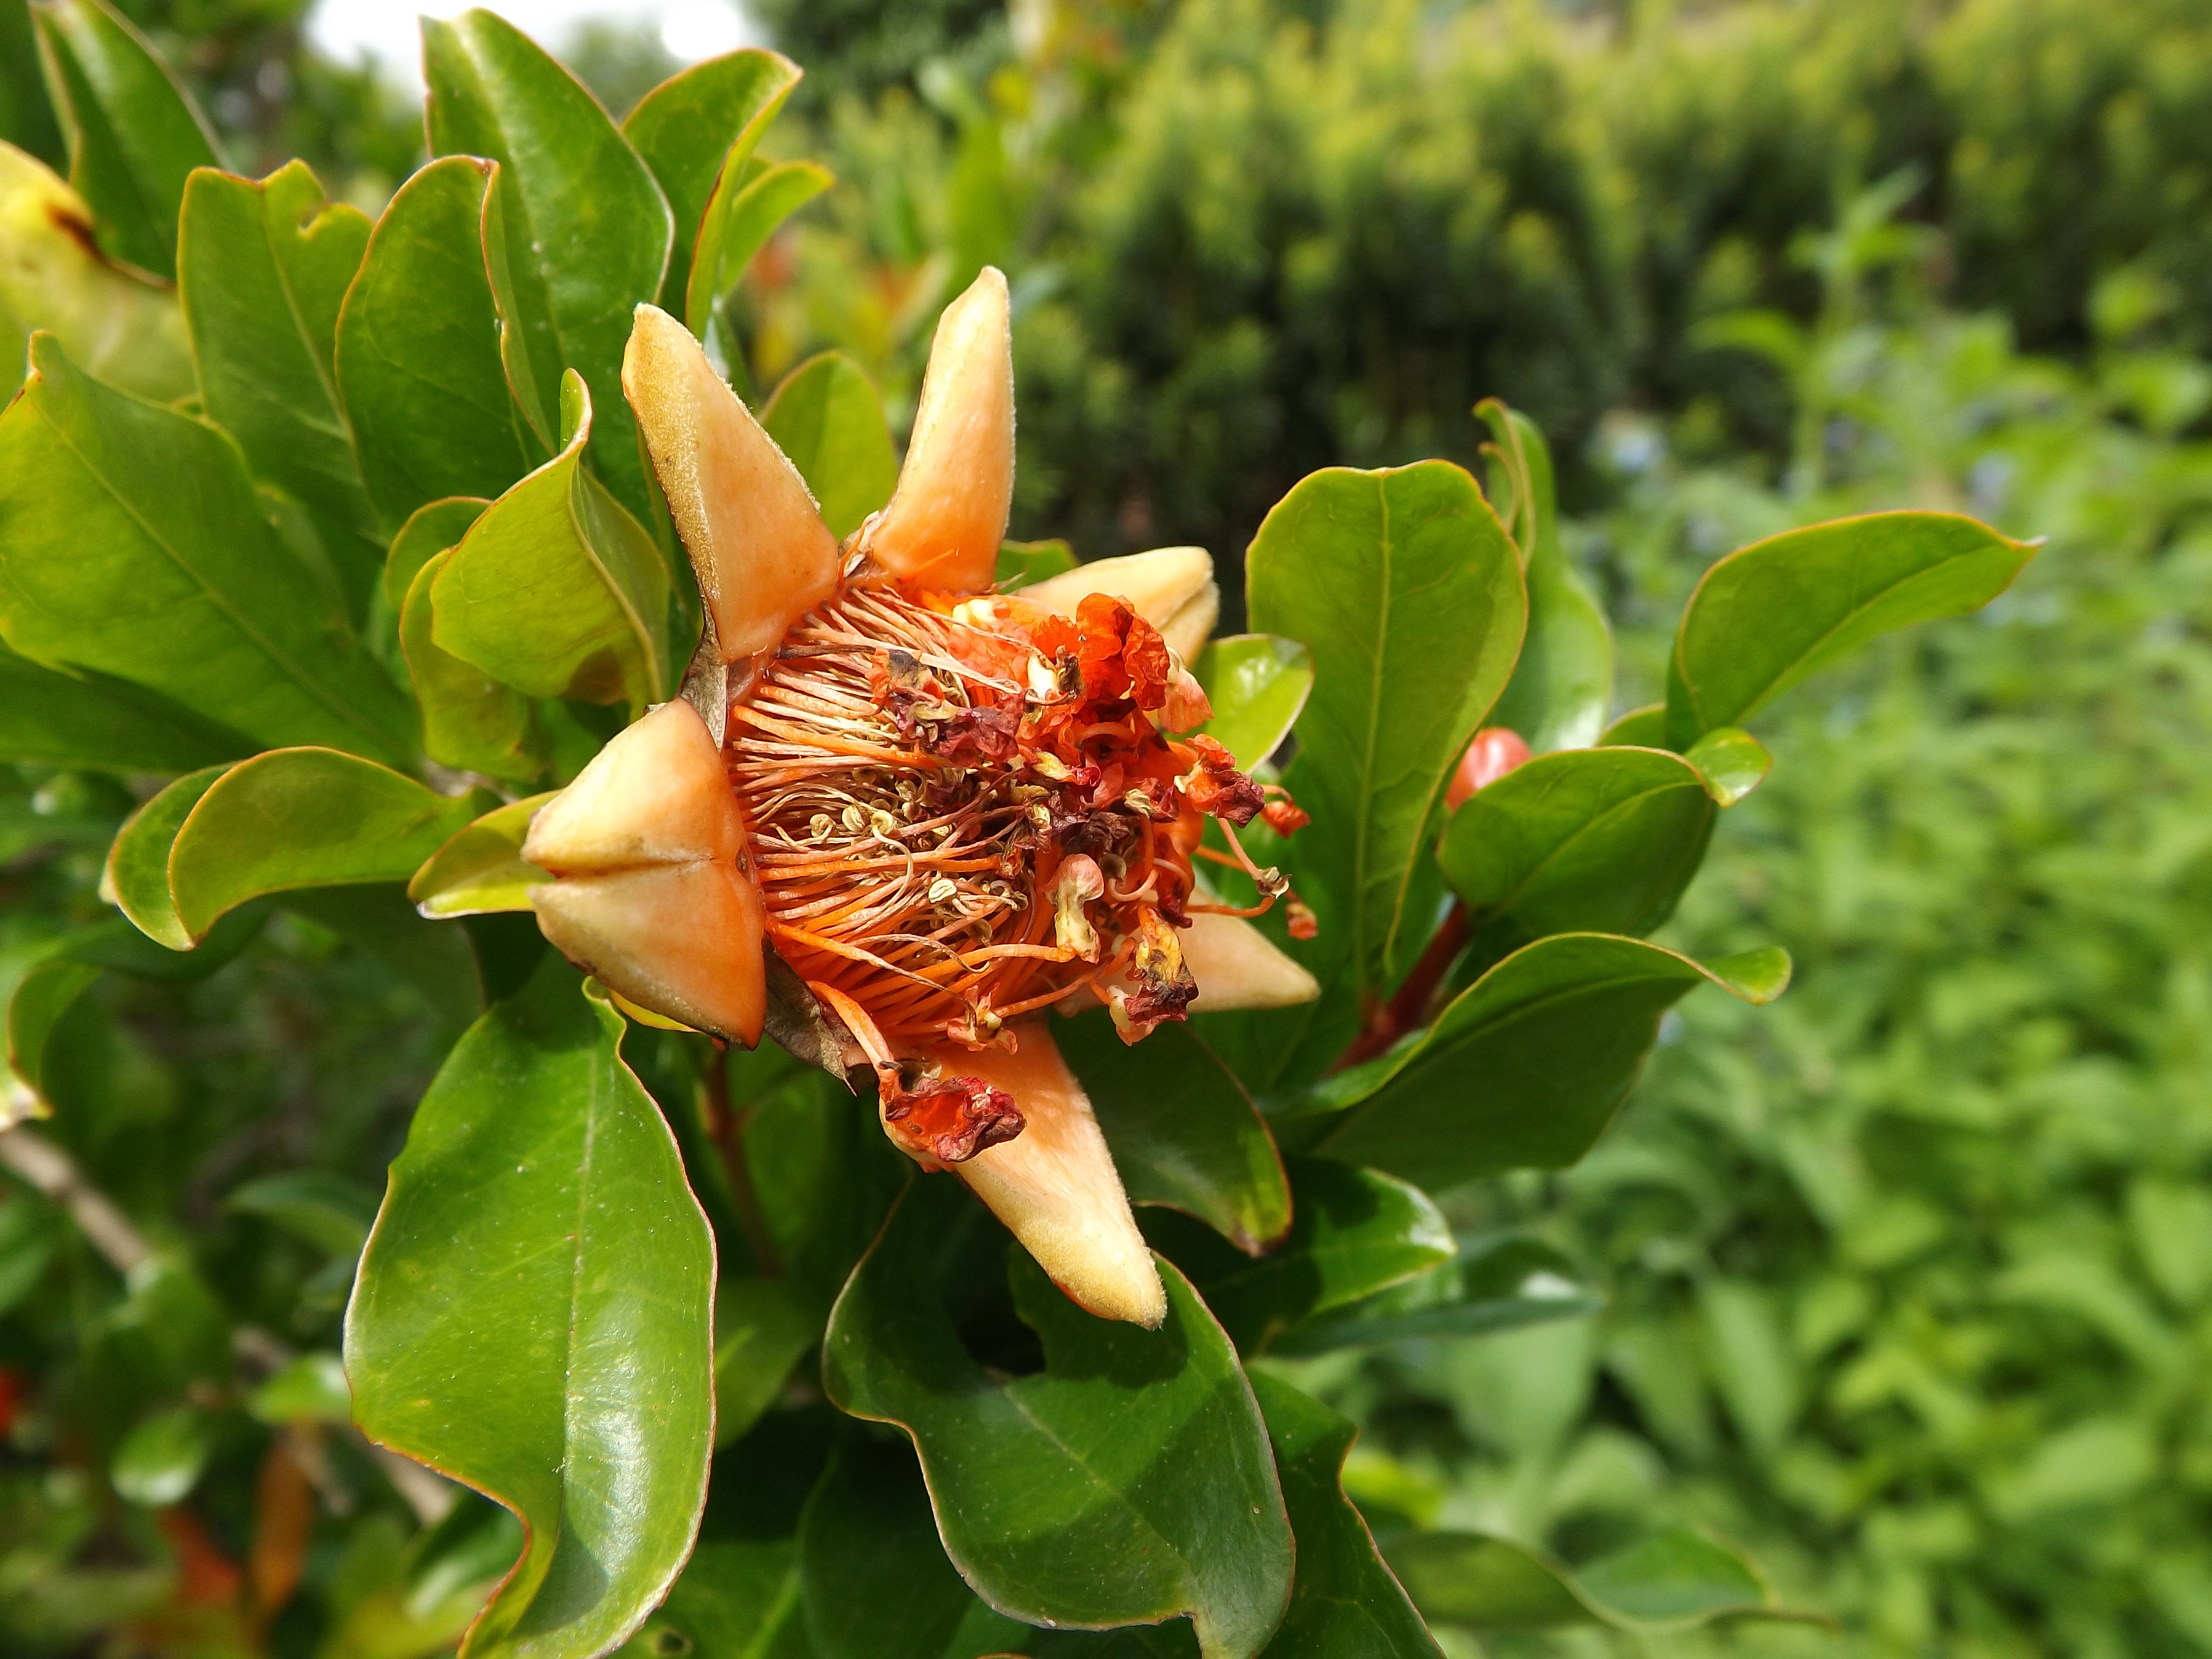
(943, 809)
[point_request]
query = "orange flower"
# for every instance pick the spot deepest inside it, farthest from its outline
(944, 809)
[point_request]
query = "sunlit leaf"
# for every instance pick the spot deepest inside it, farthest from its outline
(1770, 615)
(1494, 1284)
(470, 721)
(429, 531)
(481, 869)
(134, 137)
(417, 360)
(583, 231)
(131, 543)
(1258, 685)
(137, 877)
(1525, 1069)
(1128, 1481)
(829, 418)
(35, 1008)
(747, 207)
(262, 270)
(533, 1315)
(161, 1460)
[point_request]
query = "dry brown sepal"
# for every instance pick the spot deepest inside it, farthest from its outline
(946, 519)
(763, 555)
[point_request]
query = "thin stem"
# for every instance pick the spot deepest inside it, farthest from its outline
(727, 1129)
(1410, 1006)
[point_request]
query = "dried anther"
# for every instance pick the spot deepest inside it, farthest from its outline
(946, 1119)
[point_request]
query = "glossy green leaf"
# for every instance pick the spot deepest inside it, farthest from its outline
(1126, 1482)
(80, 719)
(35, 1009)
(470, 721)
(829, 418)
(125, 329)
(311, 1389)
(1672, 1581)
(1258, 685)
(133, 135)
(417, 360)
(1405, 588)
(694, 126)
(429, 531)
(481, 869)
(556, 590)
(762, 1327)
(1639, 728)
(1346, 1604)
(585, 230)
(303, 818)
(132, 543)
(868, 1541)
(1182, 1130)
(1494, 1284)
(748, 206)
(1768, 615)
(1563, 685)
(161, 1460)
(1587, 840)
(534, 1316)
(1731, 761)
(1354, 1232)
(1525, 1069)
(137, 877)
(262, 270)
(1021, 563)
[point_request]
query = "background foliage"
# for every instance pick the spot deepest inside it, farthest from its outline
(1905, 1274)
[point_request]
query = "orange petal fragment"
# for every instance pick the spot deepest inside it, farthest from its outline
(1054, 1185)
(948, 515)
(1170, 587)
(681, 940)
(655, 794)
(763, 555)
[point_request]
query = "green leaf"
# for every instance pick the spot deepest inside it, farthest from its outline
(829, 418)
(470, 721)
(1731, 761)
(695, 126)
(376, 919)
(737, 1599)
(1770, 615)
(762, 1327)
(418, 366)
(35, 1008)
(311, 1389)
(748, 205)
(1639, 728)
(1346, 1601)
(581, 233)
(1021, 563)
(161, 1460)
(326, 1211)
(262, 270)
(481, 869)
(1586, 840)
(1526, 1067)
(1258, 685)
(132, 543)
(1495, 1284)
(429, 531)
(1563, 683)
(867, 1542)
(1355, 1232)
(1405, 588)
(125, 329)
(534, 1316)
(137, 877)
(134, 137)
(1673, 1581)
(1183, 1130)
(1128, 1481)
(79, 719)
(556, 590)
(303, 817)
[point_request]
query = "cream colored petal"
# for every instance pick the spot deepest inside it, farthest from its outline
(655, 794)
(1170, 587)
(948, 515)
(1055, 1184)
(1237, 966)
(681, 940)
(763, 555)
